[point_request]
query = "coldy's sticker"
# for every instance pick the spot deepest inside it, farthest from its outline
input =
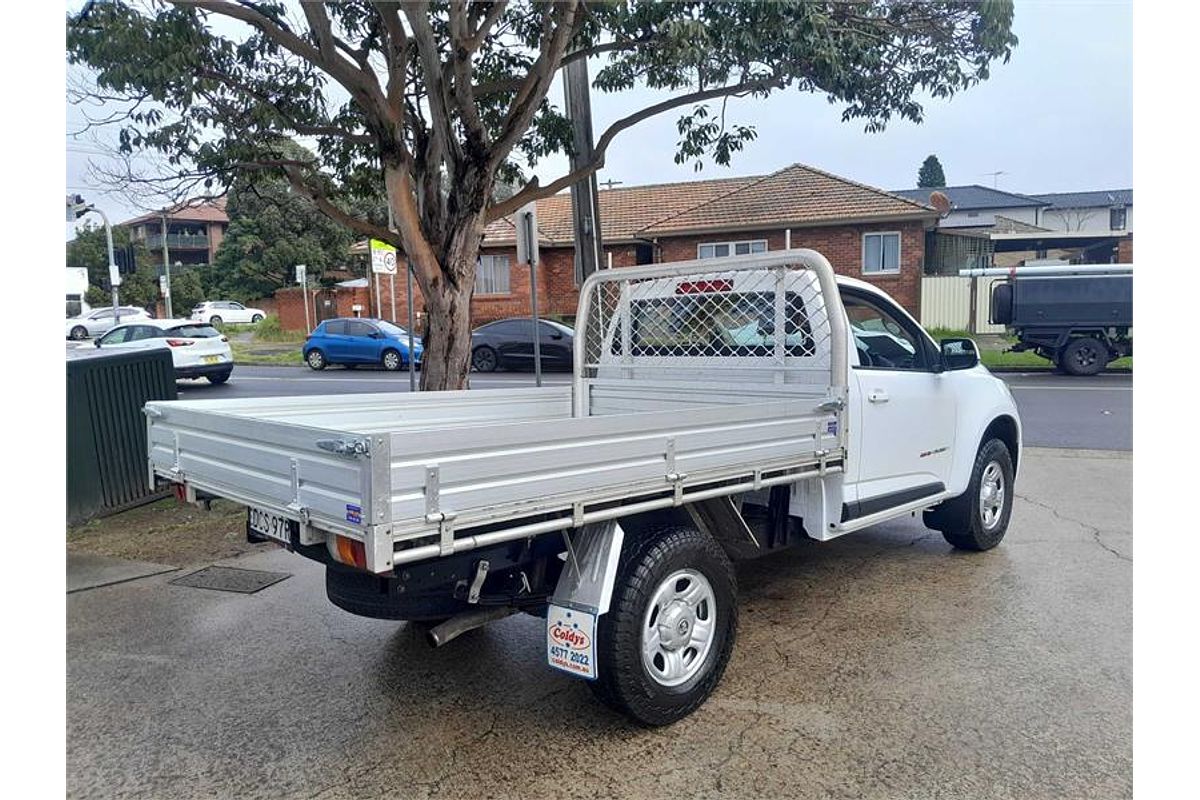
(831, 427)
(353, 514)
(571, 641)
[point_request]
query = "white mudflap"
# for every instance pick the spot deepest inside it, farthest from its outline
(571, 641)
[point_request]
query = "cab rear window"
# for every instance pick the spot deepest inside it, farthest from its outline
(196, 331)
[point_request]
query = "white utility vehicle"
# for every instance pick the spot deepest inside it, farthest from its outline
(720, 409)
(218, 312)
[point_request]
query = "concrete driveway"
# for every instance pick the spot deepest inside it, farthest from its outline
(881, 665)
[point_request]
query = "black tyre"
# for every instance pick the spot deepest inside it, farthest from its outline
(215, 321)
(257, 318)
(219, 377)
(392, 360)
(484, 359)
(1086, 356)
(663, 645)
(316, 359)
(78, 332)
(978, 518)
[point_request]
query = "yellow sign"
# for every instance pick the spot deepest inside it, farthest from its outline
(383, 257)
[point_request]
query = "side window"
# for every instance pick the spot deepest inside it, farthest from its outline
(236, 306)
(335, 327)
(118, 336)
(360, 328)
(139, 332)
(104, 313)
(882, 340)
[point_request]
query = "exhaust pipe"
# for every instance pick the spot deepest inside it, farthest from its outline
(458, 625)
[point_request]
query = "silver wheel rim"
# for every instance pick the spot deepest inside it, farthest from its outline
(678, 627)
(991, 495)
(315, 359)
(391, 361)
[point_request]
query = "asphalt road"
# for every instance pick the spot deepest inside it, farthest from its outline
(880, 665)
(1056, 410)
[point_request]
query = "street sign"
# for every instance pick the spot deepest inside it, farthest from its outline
(300, 269)
(527, 234)
(163, 286)
(114, 275)
(383, 258)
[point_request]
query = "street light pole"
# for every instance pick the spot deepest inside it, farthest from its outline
(166, 268)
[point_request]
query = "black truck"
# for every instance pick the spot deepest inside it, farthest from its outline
(1078, 320)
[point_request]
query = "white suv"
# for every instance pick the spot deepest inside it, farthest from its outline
(197, 350)
(217, 312)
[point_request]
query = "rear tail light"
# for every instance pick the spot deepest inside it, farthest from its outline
(351, 552)
(179, 343)
(703, 287)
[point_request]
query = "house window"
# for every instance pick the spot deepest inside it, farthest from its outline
(881, 253)
(1116, 219)
(722, 249)
(491, 275)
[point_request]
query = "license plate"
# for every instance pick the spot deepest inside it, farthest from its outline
(571, 641)
(272, 526)
(212, 359)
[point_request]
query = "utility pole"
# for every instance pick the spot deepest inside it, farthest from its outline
(166, 267)
(585, 203)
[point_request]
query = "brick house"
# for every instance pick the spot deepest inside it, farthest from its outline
(194, 232)
(864, 232)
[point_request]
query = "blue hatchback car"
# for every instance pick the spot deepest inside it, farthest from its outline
(355, 341)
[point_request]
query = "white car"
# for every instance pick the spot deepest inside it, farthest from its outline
(218, 312)
(198, 350)
(100, 320)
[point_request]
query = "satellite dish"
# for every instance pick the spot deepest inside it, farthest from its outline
(941, 202)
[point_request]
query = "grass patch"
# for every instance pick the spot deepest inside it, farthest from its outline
(268, 330)
(249, 354)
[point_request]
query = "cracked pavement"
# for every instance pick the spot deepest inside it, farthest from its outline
(880, 665)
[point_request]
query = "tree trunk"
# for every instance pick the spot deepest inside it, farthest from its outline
(446, 360)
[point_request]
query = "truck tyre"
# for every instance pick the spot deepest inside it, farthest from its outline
(978, 518)
(663, 645)
(1086, 356)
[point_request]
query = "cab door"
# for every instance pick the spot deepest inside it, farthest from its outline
(905, 408)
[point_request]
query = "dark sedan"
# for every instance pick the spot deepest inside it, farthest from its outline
(508, 344)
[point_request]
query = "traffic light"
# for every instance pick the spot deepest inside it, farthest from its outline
(76, 207)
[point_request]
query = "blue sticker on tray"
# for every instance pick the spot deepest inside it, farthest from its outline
(353, 514)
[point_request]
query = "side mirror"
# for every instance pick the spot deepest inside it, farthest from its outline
(97, 343)
(376, 335)
(959, 354)
(556, 335)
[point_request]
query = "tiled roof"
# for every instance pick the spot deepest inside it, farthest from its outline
(1102, 198)
(204, 211)
(795, 195)
(973, 196)
(624, 212)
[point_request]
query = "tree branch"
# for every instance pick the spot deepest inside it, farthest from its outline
(534, 191)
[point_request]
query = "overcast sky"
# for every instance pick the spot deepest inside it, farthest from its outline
(1057, 117)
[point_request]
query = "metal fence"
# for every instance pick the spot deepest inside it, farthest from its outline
(106, 431)
(946, 302)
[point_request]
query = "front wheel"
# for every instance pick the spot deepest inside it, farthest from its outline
(978, 518)
(484, 359)
(215, 321)
(315, 359)
(78, 332)
(392, 360)
(663, 645)
(257, 318)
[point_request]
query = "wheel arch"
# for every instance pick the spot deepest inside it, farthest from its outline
(1005, 429)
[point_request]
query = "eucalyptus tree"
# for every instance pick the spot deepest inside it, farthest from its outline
(417, 96)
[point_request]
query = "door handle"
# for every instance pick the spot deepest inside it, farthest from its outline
(878, 396)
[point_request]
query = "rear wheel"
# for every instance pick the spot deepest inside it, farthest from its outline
(219, 378)
(392, 360)
(78, 332)
(1086, 356)
(978, 518)
(315, 359)
(663, 645)
(484, 359)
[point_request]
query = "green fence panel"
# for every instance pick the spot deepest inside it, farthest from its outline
(106, 430)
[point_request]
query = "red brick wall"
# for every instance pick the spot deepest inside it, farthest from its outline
(842, 245)
(1125, 250)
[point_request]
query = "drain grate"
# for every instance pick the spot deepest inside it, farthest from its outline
(231, 579)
